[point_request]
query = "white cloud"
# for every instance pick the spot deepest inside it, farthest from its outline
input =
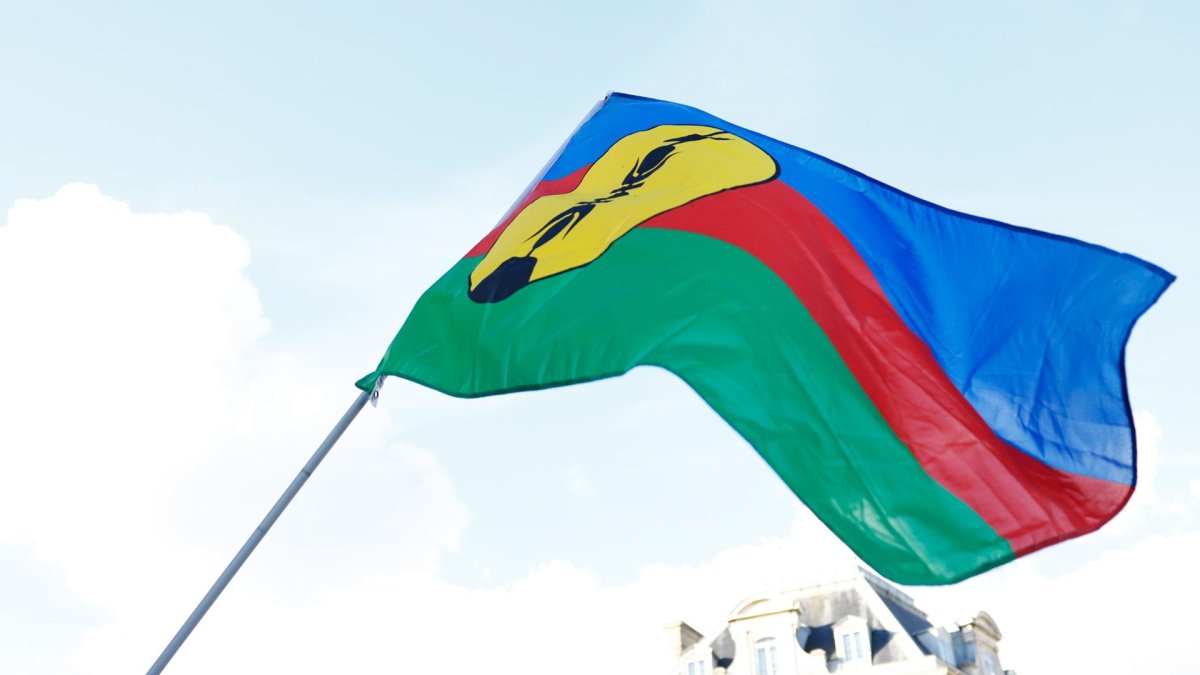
(122, 334)
(146, 431)
(1118, 613)
(1099, 617)
(556, 615)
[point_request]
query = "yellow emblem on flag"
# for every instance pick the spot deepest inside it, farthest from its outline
(642, 175)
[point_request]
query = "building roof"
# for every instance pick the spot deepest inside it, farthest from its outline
(891, 617)
(893, 621)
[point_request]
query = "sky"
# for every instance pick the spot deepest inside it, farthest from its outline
(214, 217)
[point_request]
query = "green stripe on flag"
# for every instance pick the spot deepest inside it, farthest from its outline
(739, 337)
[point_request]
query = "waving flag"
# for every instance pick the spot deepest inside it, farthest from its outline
(945, 392)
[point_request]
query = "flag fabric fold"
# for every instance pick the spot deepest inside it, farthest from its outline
(944, 391)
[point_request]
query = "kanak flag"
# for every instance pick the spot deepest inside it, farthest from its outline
(945, 392)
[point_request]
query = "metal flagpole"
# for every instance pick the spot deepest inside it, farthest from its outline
(259, 533)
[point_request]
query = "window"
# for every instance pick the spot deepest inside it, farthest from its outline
(764, 657)
(697, 667)
(852, 641)
(852, 646)
(989, 665)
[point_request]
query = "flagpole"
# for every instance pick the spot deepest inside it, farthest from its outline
(259, 533)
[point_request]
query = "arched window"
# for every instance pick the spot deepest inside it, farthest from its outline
(764, 657)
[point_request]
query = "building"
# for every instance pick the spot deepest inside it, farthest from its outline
(859, 624)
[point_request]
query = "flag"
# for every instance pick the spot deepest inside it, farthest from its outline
(945, 392)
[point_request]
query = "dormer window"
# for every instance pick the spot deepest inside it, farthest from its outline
(851, 647)
(852, 641)
(697, 667)
(764, 657)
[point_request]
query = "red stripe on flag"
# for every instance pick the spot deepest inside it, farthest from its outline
(1029, 503)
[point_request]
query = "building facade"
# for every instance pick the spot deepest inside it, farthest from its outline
(860, 624)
